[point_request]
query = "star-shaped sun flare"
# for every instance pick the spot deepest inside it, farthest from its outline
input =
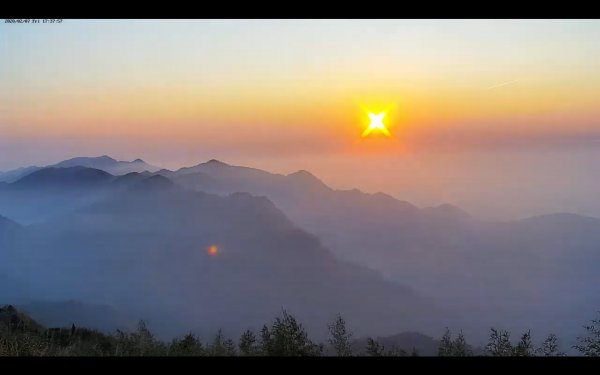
(376, 124)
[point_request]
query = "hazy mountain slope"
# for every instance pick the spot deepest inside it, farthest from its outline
(14, 319)
(52, 191)
(8, 228)
(10, 288)
(516, 275)
(513, 274)
(64, 313)
(145, 250)
(104, 163)
(108, 164)
(15, 174)
(63, 178)
(348, 221)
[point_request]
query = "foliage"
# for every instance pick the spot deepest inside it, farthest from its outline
(590, 345)
(446, 347)
(499, 344)
(221, 347)
(139, 343)
(287, 337)
(549, 347)
(22, 336)
(189, 345)
(248, 344)
(374, 349)
(524, 348)
(460, 348)
(456, 348)
(340, 338)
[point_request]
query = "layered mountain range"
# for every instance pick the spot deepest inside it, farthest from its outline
(138, 240)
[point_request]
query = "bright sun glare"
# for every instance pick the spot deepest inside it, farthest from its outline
(376, 125)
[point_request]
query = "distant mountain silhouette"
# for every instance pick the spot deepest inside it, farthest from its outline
(131, 178)
(446, 212)
(306, 182)
(15, 174)
(90, 162)
(52, 191)
(65, 313)
(154, 183)
(67, 177)
(108, 164)
(534, 273)
(502, 273)
(145, 251)
(13, 319)
(49, 192)
(105, 163)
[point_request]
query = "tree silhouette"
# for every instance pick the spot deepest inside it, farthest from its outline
(139, 343)
(446, 347)
(524, 348)
(340, 338)
(460, 348)
(21, 336)
(248, 344)
(549, 347)
(374, 349)
(221, 347)
(189, 345)
(499, 344)
(590, 345)
(287, 337)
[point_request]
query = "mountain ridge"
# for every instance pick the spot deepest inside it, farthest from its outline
(148, 252)
(104, 162)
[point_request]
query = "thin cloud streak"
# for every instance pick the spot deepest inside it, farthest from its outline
(502, 84)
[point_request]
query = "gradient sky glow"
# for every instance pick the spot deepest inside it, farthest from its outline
(287, 94)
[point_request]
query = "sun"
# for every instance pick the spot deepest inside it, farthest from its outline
(376, 125)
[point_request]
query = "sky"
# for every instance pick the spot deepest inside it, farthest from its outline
(483, 113)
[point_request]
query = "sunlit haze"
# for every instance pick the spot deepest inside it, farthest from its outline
(499, 117)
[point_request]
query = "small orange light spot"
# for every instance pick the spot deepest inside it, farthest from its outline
(213, 250)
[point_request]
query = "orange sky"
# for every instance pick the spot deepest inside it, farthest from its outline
(290, 94)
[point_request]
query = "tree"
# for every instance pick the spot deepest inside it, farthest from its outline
(549, 347)
(190, 345)
(139, 343)
(446, 347)
(460, 348)
(229, 346)
(590, 345)
(340, 338)
(374, 349)
(499, 344)
(287, 337)
(396, 352)
(248, 345)
(524, 348)
(265, 341)
(221, 347)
